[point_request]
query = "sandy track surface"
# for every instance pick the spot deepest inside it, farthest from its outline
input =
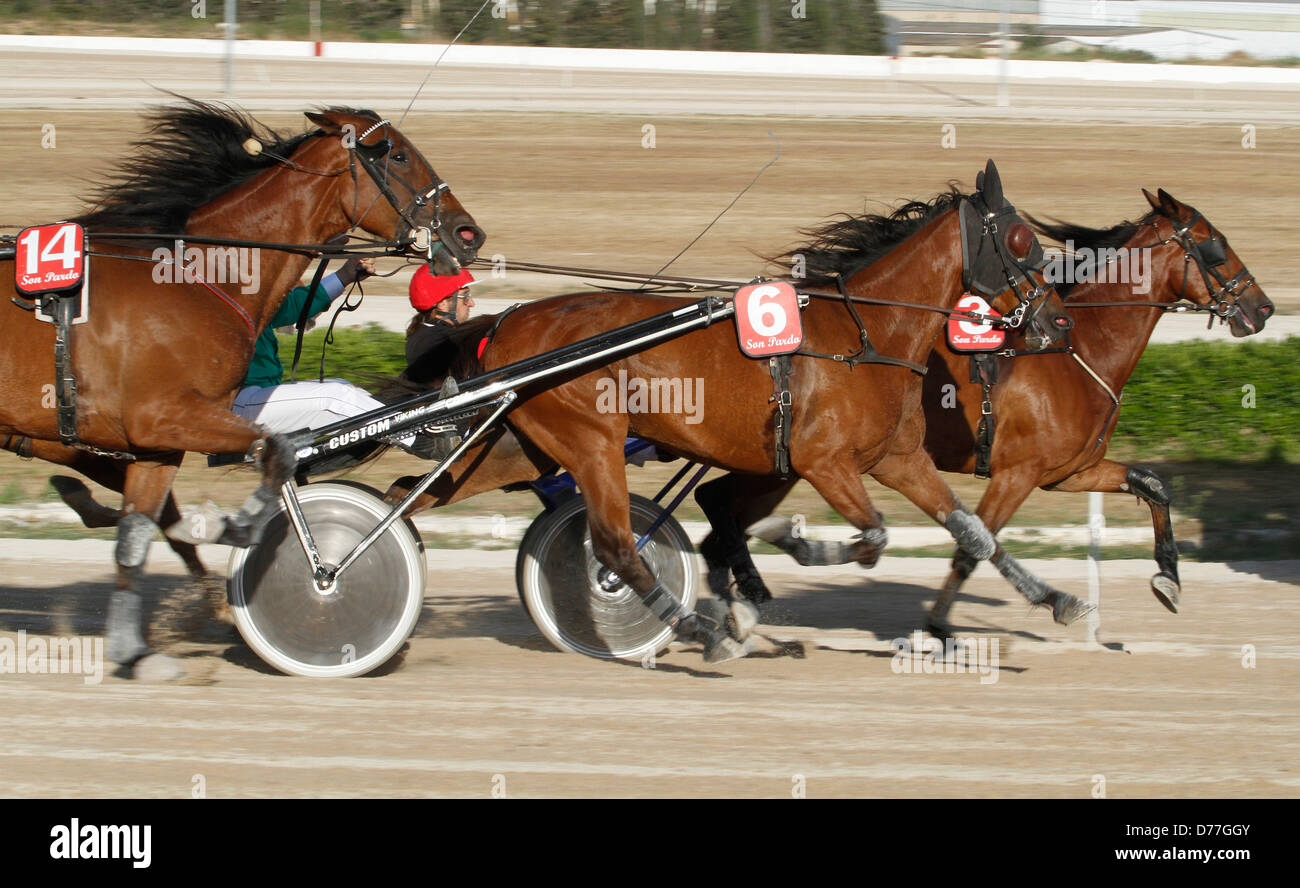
(480, 702)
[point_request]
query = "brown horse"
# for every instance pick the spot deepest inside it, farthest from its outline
(159, 363)
(846, 419)
(1054, 413)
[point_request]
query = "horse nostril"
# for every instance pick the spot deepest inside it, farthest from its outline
(467, 234)
(1266, 309)
(1065, 323)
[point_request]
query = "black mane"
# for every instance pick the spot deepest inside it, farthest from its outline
(192, 154)
(1092, 238)
(848, 243)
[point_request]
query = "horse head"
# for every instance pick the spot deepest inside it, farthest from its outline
(397, 194)
(1002, 259)
(1213, 274)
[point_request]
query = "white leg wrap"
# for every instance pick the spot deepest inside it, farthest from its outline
(971, 534)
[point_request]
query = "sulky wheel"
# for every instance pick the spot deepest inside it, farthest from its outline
(559, 582)
(354, 627)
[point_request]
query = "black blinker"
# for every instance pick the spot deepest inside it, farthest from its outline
(1212, 252)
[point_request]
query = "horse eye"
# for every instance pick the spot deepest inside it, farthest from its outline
(399, 157)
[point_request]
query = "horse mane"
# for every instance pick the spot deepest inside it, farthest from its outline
(191, 154)
(1088, 238)
(847, 243)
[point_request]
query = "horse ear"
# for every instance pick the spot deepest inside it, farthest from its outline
(992, 185)
(1168, 204)
(1151, 199)
(324, 121)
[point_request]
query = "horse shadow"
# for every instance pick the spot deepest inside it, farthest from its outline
(884, 609)
(1249, 521)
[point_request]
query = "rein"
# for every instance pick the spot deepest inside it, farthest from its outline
(693, 284)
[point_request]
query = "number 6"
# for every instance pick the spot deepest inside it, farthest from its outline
(758, 312)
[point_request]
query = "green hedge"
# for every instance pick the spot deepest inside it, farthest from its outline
(1184, 402)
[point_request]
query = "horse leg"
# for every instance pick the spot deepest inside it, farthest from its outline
(194, 423)
(592, 449)
(111, 474)
(145, 490)
(841, 486)
(733, 502)
(1005, 494)
(1108, 476)
(914, 475)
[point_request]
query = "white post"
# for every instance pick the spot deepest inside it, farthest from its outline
(1004, 98)
(230, 44)
(1096, 527)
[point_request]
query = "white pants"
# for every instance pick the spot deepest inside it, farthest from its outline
(304, 405)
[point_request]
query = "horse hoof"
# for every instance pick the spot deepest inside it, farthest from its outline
(723, 648)
(1167, 591)
(157, 668)
(1067, 609)
(238, 536)
(744, 617)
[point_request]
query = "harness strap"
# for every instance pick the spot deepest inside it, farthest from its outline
(1114, 398)
(779, 367)
(18, 444)
(866, 353)
(492, 331)
(65, 382)
(303, 315)
(984, 370)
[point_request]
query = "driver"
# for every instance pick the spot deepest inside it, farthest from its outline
(280, 407)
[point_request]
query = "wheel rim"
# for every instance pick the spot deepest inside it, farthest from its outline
(560, 584)
(355, 626)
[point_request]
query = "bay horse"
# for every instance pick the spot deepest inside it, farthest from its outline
(847, 420)
(1055, 413)
(158, 363)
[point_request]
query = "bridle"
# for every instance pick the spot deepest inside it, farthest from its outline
(1015, 271)
(1209, 255)
(428, 238)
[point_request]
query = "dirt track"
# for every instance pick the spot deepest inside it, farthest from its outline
(481, 694)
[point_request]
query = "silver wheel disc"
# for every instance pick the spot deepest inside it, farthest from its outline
(350, 628)
(573, 599)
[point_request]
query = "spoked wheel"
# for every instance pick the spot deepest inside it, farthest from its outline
(347, 630)
(560, 582)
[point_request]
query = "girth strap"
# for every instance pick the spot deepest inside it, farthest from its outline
(779, 367)
(65, 382)
(984, 370)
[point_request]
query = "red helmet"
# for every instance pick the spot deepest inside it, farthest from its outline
(427, 289)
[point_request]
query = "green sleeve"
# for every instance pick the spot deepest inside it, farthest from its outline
(291, 308)
(265, 368)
